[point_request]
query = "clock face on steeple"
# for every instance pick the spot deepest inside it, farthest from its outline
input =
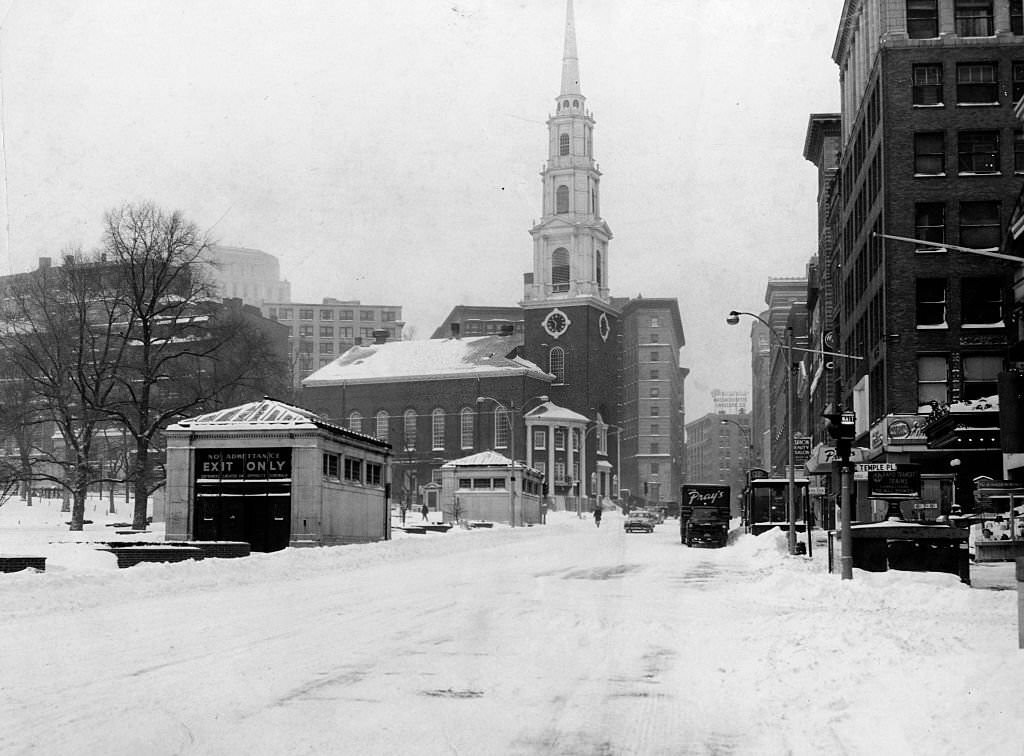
(556, 323)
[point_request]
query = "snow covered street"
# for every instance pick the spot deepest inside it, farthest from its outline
(559, 639)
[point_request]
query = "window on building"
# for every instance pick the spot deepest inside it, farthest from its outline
(331, 466)
(498, 483)
(502, 428)
(344, 314)
(285, 313)
(655, 356)
(326, 332)
(559, 439)
(382, 425)
(560, 472)
(325, 361)
(389, 316)
(655, 338)
(1017, 75)
(982, 301)
(306, 347)
(563, 144)
(465, 482)
(927, 88)
(366, 333)
(305, 314)
(437, 429)
(326, 347)
(326, 314)
(979, 224)
(930, 223)
(1017, 16)
(929, 153)
(409, 429)
(655, 391)
(560, 269)
(973, 18)
(655, 374)
(306, 331)
(978, 152)
(482, 483)
(556, 364)
(1018, 151)
(655, 468)
(467, 421)
(272, 313)
(655, 322)
(540, 439)
(922, 19)
(366, 315)
(655, 447)
(562, 199)
(977, 84)
(599, 271)
(655, 429)
(931, 301)
(932, 379)
(576, 439)
(345, 332)
(374, 474)
(981, 375)
(655, 410)
(353, 469)
(355, 422)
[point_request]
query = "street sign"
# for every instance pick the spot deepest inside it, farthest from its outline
(866, 467)
(902, 483)
(801, 448)
(816, 490)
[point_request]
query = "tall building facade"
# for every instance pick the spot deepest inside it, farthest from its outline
(718, 451)
(932, 152)
(251, 275)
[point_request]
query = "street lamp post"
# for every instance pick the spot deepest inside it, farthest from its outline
(734, 319)
(509, 411)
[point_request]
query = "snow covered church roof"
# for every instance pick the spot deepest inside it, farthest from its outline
(425, 359)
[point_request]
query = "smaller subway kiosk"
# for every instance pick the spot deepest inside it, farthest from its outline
(275, 475)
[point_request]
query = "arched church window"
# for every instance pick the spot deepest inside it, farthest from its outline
(467, 420)
(560, 269)
(600, 279)
(355, 422)
(563, 144)
(562, 199)
(565, 103)
(437, 428)
(556, 364)
(575, 103)
(382, 425)
(409, 429)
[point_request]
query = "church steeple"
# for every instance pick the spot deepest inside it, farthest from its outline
(570, 242)
(570, 61)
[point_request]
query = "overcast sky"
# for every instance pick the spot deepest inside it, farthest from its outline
(389, 150)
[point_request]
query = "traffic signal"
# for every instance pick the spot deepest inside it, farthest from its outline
(840, 426)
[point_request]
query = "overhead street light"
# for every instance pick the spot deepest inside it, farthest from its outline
(733, 319)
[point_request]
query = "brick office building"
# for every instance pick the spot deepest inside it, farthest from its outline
(931, 152)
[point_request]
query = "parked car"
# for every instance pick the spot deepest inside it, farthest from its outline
(639, 520)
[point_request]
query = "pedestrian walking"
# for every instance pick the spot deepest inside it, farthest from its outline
(597, 515)
(425, 510)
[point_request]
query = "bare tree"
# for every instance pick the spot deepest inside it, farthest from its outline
(182, 350)
(55, 335)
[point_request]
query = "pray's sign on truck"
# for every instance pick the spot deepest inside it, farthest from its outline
(703, 495)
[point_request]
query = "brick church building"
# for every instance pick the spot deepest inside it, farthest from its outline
(582, 386)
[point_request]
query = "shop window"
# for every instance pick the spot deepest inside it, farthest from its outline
(922, 19)
(932, 379)
(981, 376)
(982, 301)
(931, 302)
(979, 224)
(973, 18)
(978, 152)
(930, 224)
(977, 84)
(927, 87)
(929, 153)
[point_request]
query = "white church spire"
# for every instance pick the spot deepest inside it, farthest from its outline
(570, 61)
